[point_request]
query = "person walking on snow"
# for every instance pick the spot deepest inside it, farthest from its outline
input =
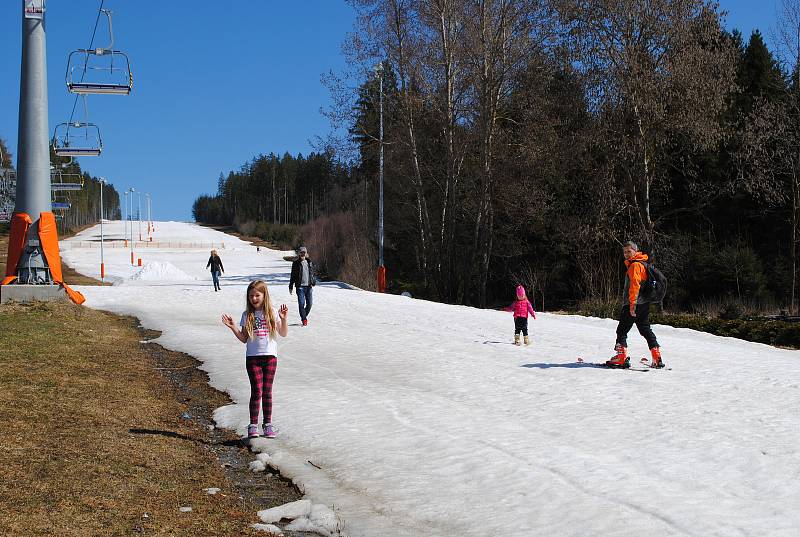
(259, 324)
(303, 277)
(635, 310)
(521, 308)
(216, 268)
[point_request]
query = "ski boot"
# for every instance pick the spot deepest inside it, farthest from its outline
(516, 339)
(620, 360)
(656, 354)
(527, 341)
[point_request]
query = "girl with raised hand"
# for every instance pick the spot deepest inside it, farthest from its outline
(258, 327)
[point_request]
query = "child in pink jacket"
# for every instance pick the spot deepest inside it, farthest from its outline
(521, 308)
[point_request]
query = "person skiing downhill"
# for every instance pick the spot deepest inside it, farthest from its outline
(521, 308)
(635, 310)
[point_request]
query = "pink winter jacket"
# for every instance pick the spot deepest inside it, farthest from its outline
(521, 308)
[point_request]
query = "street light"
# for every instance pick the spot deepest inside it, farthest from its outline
(130, 218)
(139, 216)
(125, 219)
(149, 218)
(381, 267)
(102, 258)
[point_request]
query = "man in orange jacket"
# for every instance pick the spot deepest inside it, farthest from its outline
(636, 309)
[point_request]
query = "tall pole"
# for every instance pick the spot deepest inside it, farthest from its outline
(149, 219)
(139, 216)
(130, 218)
(381, 268)
(102, 257)
(33, 153)
(380, 180)
(125, 217)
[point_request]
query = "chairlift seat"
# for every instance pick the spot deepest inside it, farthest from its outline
(65, 186)
(88, 88)
(77, 151)
(99, 71)
(77, 139)
(61, 205)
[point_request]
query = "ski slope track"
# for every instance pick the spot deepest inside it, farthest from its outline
(422, 419)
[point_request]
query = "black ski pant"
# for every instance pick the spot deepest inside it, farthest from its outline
(642, 321)
(521, 325)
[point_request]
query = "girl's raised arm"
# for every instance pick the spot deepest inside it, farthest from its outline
(282, 313)
(227, 320)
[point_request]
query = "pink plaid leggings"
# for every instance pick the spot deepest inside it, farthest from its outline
(261, 372)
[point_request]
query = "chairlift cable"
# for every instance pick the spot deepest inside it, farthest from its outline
(86, 63)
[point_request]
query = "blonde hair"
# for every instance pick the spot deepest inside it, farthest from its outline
(266, 307)
(213, 252)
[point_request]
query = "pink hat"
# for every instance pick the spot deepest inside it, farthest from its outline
(520, 291)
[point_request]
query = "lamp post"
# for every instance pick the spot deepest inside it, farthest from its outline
(139, 216)
(130, 219)
(102, 258)
(149, 218)
(125, 219)
(381, 267)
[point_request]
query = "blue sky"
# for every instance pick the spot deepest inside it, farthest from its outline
(214, 85)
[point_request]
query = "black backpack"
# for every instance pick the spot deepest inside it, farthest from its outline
(654, 288)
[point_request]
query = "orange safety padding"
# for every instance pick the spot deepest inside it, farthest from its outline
(48, 236)
(20, 222)
(381, 279)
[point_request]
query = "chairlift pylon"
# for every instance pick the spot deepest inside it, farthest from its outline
(102, 70)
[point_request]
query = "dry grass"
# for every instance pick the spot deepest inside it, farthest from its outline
(75, 384)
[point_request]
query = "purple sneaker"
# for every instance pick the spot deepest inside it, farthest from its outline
(252, 431)
(268, 431)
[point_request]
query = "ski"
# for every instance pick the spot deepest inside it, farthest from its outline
(646, 362)
(604, 366)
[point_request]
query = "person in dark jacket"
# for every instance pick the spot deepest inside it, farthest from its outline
(216, 268)
(303, 277)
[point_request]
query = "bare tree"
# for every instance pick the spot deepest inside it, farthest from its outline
(788, 40)
(658, 70)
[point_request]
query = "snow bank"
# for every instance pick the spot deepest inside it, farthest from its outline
(305, 516)
(268, 527)
(161, 270)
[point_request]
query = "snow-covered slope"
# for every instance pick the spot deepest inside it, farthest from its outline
(421, 419)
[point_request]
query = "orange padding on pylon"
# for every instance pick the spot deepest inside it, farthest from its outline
(48, 236)
(20, 222)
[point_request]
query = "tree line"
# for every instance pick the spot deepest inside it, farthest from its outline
(525, 141)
